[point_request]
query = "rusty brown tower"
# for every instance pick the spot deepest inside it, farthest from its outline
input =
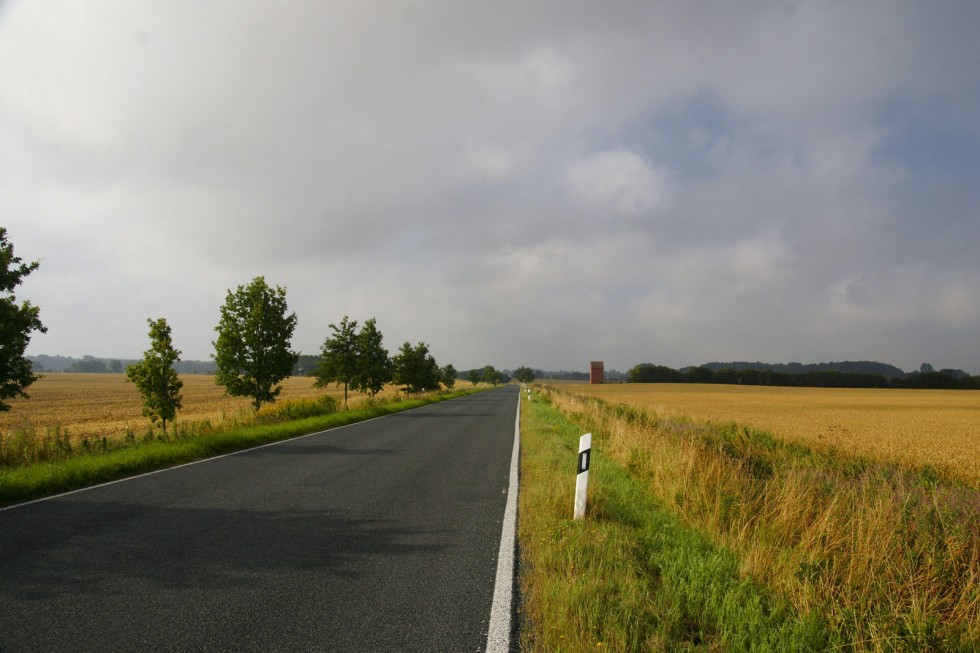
(597, 372)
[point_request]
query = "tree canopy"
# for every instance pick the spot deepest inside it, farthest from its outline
(375, 368)
(416, 369)
(252, 350)
(524, 374)
(17, 323)
(449, 375)
(354, 359)
(338, 357)
(155, 377)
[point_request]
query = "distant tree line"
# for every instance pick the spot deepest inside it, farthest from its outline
(825, 378)
(486, 374)
(95, 365)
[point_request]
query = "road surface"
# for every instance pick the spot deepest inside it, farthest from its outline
(380, 536)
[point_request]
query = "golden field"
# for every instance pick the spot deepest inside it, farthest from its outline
(912, 427)
(107, 405)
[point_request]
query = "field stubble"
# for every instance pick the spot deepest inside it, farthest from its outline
(106, 405)
(940, 428)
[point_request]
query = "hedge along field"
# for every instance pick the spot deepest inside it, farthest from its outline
(883, 557)
(106, 405)
(940, 428)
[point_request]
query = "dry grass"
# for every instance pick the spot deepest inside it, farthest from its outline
(888, 557)
(911, 427)
(105, 405)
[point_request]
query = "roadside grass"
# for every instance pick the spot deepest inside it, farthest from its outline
(886, 557)
(631, 576)
(49, 463)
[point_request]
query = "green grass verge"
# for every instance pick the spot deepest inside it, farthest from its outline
(630, 576)
(89, 468)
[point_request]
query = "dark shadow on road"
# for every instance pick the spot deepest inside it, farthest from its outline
(186, 548)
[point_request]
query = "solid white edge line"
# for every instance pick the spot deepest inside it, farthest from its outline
(198, 462)
(498, 631)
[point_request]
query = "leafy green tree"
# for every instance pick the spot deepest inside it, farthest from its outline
(155, 377)
(115, 366)
(490, 375)
(355, 359)
(524, 374)
(374, 366)
(650, 373)
(16, 324)
(338, 357)
(700, 375)
(473, 376)
(252, 351)
(416, 369)
(449, 375)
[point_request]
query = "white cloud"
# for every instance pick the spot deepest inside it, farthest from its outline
(617, 181)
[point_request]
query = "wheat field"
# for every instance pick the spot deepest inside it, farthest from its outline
(910, 427)
(107, 405)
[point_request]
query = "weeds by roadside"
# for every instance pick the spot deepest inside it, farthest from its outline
(631, 576)
(888, 557)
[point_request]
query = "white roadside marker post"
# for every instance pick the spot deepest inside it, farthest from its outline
(582, 477)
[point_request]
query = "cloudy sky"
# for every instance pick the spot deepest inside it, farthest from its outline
(534, 182)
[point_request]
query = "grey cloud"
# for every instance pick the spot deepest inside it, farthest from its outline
(518, 183)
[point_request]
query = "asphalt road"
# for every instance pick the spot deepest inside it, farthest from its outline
(380, 536)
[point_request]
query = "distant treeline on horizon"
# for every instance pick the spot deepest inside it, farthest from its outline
(845, 374)
(305, 365)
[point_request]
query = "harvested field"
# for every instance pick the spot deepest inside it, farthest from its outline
(107, 405)
(911, 427)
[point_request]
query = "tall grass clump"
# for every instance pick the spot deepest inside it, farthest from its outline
(294, 409)
(888, 556)
(26, 445)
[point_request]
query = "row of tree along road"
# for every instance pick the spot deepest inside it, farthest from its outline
(252, 356)
(252, 353)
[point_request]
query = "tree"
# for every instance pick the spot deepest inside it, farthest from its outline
(16, 324)
(490, 375)
(155, 377)
(252, 351)
(415, 368)
(115, 366)
(700, 375)
(449, 376)
(355, 359)
(374, 366)
(650, 373)
(524, 374)
(473, 377)
(338, 357)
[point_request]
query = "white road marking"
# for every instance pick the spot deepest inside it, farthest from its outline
(498, 632)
